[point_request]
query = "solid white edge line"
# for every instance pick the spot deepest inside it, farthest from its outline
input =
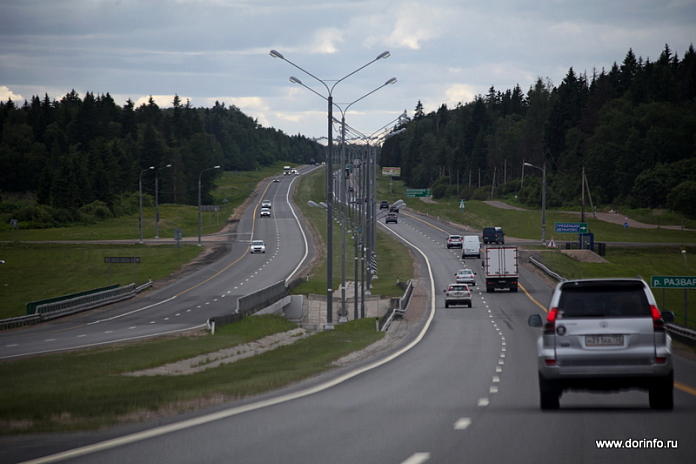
(163, 430)
(105, 343)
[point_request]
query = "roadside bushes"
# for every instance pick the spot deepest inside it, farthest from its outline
(31, 215)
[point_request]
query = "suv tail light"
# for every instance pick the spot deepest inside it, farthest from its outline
(550, 326)
(658, 322)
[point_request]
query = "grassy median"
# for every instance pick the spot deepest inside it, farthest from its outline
(86, 390)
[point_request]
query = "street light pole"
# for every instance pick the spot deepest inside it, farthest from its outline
(199, 201)
(329, 171)
(140, 188)
(543, 200)
(157, 200)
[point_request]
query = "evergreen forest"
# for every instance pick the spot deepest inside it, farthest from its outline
(82, 159)
(631, 130)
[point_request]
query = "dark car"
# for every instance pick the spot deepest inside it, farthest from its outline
(493, 235)
(384, 204)
(393, 209)
(391, 217)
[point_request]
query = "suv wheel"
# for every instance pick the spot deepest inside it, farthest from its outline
(661, 393)
(549, 394)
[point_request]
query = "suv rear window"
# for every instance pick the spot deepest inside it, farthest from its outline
(599, 299)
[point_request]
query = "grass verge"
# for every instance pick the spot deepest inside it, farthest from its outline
(85, 390)
(395, 261)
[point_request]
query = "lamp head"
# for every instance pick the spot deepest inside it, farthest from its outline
(295, 80)
(391, 81)
(276, 54)
(382, 55)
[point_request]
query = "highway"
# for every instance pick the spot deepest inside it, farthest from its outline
(188, 303)
(462, 389)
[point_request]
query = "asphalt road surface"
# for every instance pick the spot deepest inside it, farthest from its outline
(462, 389)
(191, 301)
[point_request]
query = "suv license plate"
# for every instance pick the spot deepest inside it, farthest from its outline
(604, 340)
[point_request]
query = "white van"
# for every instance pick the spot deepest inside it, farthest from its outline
(471, 246)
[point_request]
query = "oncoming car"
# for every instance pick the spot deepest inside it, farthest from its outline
(266, 204)
(265, 212)
(457, 294)
(604, 335)
(258, 246)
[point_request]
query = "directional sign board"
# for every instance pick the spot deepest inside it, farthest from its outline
(571, 228)
(418, 192)
(673, 281)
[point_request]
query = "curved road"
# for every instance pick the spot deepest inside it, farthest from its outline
(463, 390)
(188, 303)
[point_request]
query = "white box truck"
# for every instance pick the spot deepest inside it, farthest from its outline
(500, 267)
(471, 247)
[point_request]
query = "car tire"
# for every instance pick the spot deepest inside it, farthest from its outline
(661, 393)
(446, 304)
(470, 304)
(549, 395)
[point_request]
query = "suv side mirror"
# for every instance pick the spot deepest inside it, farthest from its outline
(668, 317)
(534, 320)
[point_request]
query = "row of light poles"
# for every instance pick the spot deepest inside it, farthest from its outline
(329, 164)
(140, 189)
(543, 199)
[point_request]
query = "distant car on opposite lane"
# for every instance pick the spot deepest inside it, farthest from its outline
(266, 204)
(258, 246)
(265, 212)
(384, 204)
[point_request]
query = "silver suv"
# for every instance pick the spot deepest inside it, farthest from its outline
(604, 335)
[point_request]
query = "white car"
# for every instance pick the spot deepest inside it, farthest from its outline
(457, 294)
(266, 204)
(454, 241)
(257, 246)
(265, 212)
(465, 276)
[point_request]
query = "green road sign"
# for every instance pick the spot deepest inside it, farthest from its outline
(571, 228)
(418, 192)
(673, 281)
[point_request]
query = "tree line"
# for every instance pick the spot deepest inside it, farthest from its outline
(632, 130)
(80, 159)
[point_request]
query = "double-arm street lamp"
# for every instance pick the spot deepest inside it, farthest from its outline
(329, 170)
(199, 201)
(157, 199)
(343, 198)
(543, 200)
(140, 188)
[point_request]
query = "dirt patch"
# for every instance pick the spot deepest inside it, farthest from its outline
(584, 256)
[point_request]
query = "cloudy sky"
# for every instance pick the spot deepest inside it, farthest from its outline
(442, 51)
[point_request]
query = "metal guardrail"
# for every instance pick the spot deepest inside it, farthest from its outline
(69, 306)
(673, 329)
(250, 304)
(548, 271)
(398, 310)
